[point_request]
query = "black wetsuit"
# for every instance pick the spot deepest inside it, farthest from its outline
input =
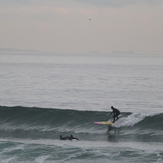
(71, 137)
(116, 112)
(68, 138)
(64, 138)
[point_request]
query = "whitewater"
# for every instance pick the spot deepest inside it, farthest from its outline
(45, 95)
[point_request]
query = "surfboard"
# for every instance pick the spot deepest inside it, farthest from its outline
(104, 123)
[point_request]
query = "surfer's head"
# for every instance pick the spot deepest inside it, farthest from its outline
(112, 107)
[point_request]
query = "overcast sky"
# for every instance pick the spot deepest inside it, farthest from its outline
(82, 25)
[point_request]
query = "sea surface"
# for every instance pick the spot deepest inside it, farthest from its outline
(45, 95)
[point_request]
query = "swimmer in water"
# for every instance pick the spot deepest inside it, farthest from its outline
(68, 137)
(72, 137)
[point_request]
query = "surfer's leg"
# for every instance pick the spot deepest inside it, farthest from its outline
(118, 116)
(113, 119)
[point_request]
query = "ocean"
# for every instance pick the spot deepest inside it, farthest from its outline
(45, 95)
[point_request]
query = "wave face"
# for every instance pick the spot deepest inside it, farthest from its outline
(45, 123)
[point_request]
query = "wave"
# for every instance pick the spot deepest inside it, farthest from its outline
(46, 123)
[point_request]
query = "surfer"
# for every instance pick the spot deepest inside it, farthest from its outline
(72, 137)
(64, 138)
(116, 113)
(68, 137)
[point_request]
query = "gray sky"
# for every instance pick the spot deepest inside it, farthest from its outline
(65, 25)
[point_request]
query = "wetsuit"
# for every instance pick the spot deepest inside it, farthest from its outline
(64, 138)
(68, 138)
(71, 137)
(115, 112)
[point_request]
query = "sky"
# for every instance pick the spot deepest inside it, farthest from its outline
(82, 26)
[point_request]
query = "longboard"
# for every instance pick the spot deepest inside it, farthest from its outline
(104, 123)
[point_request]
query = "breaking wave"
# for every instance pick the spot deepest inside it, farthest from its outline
(46, 123)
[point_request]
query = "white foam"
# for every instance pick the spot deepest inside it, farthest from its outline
(41, 159)
(19, 147)
(131, 120)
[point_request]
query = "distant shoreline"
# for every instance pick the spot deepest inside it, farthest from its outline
(17, 50)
